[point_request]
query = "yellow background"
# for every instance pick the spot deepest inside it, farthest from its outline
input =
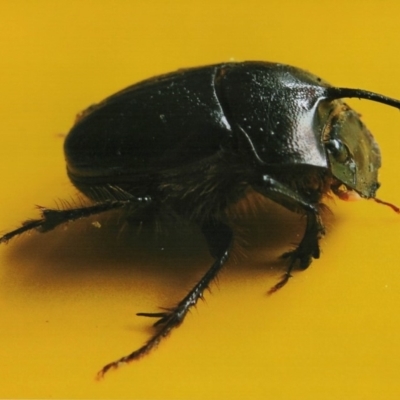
(68, 298)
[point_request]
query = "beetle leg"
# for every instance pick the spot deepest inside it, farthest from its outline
(305, 251)
(219, 238)
(53, 218)
(309, 245)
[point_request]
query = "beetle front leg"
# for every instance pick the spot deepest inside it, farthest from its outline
(219, 238)
(305, 251)
(308, 248)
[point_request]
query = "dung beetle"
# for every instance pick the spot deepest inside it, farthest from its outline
(194, 142)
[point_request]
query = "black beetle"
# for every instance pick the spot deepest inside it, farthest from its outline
(194, 142)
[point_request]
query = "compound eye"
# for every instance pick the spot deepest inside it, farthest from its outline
(338, 150)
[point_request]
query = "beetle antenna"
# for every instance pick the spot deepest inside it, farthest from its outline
(338, 93)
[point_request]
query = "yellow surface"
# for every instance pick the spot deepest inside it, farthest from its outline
(68, 298)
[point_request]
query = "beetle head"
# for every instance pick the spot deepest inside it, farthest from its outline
(353, 154)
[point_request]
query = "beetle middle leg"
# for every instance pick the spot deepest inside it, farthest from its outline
(219, 238)
(308, 247)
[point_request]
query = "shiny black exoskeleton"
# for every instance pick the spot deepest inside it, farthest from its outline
(194, 142)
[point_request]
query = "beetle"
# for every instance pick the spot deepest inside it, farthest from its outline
(192, 143)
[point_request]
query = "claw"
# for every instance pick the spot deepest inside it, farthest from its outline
(280, 284)
(163, 317)
(152, 315)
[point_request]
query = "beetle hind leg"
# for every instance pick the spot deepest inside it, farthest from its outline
(219, 238)
(51, 218)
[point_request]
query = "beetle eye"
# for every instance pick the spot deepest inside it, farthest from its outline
(339, 150)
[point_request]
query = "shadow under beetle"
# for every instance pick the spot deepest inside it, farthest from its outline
(193, 142)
